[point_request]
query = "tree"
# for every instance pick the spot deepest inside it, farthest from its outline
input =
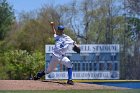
(6, 18)
(134, 35)
(33, 30)
(133, 6)
(105, 23)
(131, 40)
(78, 18)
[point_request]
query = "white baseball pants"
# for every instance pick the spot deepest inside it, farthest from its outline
(55, 60)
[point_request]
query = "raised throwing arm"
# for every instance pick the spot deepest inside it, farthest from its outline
(53, 28)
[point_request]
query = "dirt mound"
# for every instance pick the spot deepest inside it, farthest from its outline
(47, 85)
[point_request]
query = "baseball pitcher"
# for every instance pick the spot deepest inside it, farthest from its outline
(62, 42)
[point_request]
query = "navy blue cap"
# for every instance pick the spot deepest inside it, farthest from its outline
(60, 27)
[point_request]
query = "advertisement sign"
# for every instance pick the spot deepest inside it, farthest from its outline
(96, 61)
(89, 48)
(84, 75)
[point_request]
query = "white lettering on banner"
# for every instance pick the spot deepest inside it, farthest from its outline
(89, 64)
(90, 48)
(84, 75)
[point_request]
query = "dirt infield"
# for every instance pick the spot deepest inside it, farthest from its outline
(47, 85)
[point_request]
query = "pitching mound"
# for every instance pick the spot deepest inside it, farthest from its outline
(47, 85)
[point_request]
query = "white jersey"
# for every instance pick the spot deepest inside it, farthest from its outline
(61, 44)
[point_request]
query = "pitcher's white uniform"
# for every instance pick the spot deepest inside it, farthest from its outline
(61, 46)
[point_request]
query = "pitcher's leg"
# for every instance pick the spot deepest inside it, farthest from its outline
(65, 61)
(51, 67)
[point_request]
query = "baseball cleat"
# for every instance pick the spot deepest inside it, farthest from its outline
(70, 82)
(39, 75)
(36, 78)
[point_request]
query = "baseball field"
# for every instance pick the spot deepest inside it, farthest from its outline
(72, 91)
(29, 86)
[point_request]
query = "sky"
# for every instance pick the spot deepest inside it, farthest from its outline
(30, 5)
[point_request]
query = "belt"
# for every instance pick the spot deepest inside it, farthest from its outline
(63, 55)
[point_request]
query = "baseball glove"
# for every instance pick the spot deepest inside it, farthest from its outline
(76, 49)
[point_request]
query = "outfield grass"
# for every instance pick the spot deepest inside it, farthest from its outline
(74, 91)
(107, 80)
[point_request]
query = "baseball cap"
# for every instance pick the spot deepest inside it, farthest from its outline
(60, 27)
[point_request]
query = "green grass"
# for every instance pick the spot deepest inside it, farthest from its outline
(107, 80)
(74, 91)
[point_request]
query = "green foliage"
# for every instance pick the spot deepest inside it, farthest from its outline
(133, 28)
(32, 33)
(26, 44)
(19, 64)
(32, 36)
(97, 32)
(6, 18)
